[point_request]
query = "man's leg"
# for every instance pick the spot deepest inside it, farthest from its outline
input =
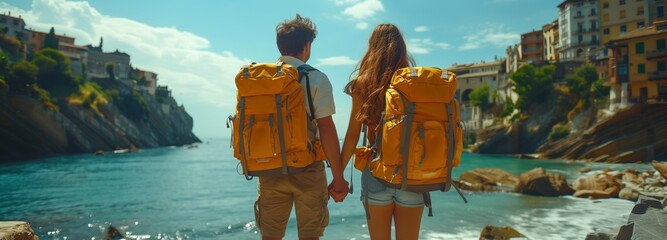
(310, 200)
(273, 206)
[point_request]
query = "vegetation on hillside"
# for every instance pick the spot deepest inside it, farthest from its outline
(532, 84)
(480, 97)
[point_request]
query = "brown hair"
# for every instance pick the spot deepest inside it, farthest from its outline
(293, 35)
(386, 53)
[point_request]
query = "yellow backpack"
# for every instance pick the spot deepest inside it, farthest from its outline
(272, 134)
(421, 136)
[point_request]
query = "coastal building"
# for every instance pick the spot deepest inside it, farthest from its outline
(13, 26)
(97, 61)
(578, 25)
(472, 76)
(532, 46)
(551, 37)
(151, 80)
(620, 17)
(66, 45)
(656, 11)
(638, 65)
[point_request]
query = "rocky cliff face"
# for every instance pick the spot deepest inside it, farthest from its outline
(631, 135)
(29, 130)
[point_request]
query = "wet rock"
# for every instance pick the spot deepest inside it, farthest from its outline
(488, 180)
(538, 182)
(16, 231)
(499, 233)
(113, 233)
(628, 193)
(661, 167)
(601, 185)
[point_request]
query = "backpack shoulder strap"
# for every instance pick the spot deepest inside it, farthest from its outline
(303, 73)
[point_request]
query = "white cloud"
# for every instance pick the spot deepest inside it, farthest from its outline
(344, 2)
(335, 61)
(494, 35)
(181, 59)
(361, 25)
(359, 11)
(422, 29)
(425, 45)
(364, 9)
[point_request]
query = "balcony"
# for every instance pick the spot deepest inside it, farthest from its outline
(577, 16)
(657, 75)
(656, 54)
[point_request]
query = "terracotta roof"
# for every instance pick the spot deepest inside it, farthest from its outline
(477, 74)
(641, 32)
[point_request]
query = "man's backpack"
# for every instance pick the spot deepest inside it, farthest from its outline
(270, 133)
(421, 136)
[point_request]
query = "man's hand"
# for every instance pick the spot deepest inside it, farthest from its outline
(338, 189)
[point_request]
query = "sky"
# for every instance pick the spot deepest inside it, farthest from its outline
(197, 47)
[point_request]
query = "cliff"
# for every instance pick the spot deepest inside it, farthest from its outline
(30, 129)
(638, 133)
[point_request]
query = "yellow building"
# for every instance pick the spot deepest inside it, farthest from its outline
(638, 65)
(621, 16)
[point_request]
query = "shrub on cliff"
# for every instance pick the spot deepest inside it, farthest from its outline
(133, 105)
(22, 74)
(559, 131)
(480, 97)
(532, 84)
(54, 72)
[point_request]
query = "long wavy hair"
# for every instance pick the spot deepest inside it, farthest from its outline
(386, 53)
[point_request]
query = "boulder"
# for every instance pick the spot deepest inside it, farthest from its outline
(661, 167)
(488, 180)
(16, 231)
(538, 182)
(601, 185)
(113, 233)
(628, 193)
(499, 233)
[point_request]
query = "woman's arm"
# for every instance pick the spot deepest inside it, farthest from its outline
(352, 134)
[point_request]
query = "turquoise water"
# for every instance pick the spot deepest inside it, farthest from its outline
(180, 193)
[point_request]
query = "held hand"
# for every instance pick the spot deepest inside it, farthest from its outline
(338, 189)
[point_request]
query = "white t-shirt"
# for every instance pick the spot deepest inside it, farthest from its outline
(320, 90)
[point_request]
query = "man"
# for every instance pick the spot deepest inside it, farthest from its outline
(307, 191)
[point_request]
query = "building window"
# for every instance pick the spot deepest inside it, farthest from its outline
(593, 13)
(621, 14)
(660, 44)
(662, 66)
(621, 2)
(640, 10)
(640, 24)
(580, 38)
(639, 48)
(641, 68)
(605, 4)
(661, 11)
(624, 29)
(606, 31)
(605, 17)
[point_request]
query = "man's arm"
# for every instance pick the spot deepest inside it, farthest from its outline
(331, 147)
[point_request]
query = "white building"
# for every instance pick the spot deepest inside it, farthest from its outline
(578, 27)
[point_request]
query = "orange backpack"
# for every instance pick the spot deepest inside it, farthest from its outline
(420, 136)
(270, 132)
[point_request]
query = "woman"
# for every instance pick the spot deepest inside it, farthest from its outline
(386, 53)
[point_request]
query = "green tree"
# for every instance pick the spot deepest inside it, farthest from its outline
(22, 74)
(110, 70)
(54, 73)
(581, 80)
(4, 65)
(480, 97)
(532, 84)
(50, 41)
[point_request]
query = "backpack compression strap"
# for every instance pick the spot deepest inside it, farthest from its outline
(303, 72)
(450, 150)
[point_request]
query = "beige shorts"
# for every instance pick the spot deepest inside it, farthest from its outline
(307, 191)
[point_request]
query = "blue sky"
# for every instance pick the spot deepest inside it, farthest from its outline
(196, 47)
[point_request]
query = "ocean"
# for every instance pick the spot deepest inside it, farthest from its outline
(197, 193)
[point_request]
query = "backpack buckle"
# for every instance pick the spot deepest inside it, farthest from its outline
(279, 68)
(445, 74)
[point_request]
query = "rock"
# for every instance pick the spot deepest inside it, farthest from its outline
(600, 185)
(16, 231)
(538, 182)
(633, 178)
(628, 193)
(499, 233)
(661, 167)
(113, 233)
(584, 170)
(488, 180)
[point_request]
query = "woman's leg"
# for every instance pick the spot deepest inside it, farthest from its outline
(379, 226)
(408, 222)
